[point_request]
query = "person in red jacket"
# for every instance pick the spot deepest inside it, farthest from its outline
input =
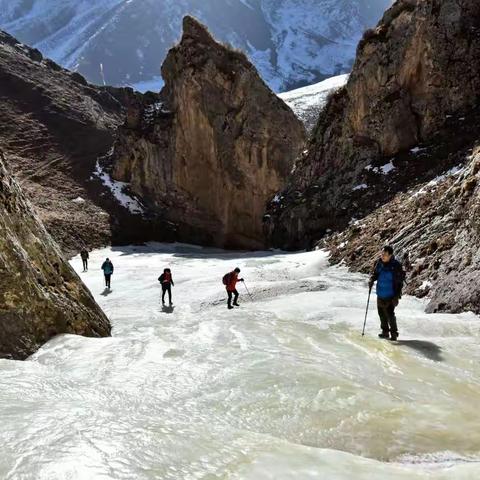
(166, 280)
(230, 281)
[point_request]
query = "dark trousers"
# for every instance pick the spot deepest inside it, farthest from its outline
(166, 287)
(233, 294)
(108, 277)
(386, 312)
(85, 264)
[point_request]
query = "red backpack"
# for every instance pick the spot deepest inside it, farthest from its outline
(226, 279)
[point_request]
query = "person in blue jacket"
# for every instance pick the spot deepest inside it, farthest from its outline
(389, 274)
(107, 268)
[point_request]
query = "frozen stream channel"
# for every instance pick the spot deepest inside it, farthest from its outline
(284, 387)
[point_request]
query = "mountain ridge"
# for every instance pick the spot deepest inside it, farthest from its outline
(90, 36)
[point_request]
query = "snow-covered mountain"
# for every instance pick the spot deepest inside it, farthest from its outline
(307, 102)
(292, 42)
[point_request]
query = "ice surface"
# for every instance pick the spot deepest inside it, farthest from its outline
(387, 168)
(284, 387)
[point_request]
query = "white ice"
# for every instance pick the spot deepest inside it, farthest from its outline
(284, 387)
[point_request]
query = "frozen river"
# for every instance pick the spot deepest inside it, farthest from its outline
(284, 387)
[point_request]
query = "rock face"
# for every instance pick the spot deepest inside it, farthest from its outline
(40, 295)
(415, 78)
(436, 224)
(53, 127)
(213, 148)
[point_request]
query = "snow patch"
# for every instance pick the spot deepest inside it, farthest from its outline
(457, 170)
(307, 102)
(118, 190)
(426, 284)
(384, 169)
(417, 150)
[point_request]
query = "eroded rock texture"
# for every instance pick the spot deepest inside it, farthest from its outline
(40, 295)
(437, 224)
(213, 148)
(53, 127)
(416, 79)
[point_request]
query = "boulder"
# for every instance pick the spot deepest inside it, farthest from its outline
(40, 294)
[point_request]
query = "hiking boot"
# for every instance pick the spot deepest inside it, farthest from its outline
(394, 337)
(230, 307)
(384, 335)
(236, 304)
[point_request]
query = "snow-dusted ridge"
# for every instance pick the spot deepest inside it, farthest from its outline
(292, 42)
(307, 102)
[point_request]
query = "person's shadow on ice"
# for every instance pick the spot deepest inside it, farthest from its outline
(168, 308)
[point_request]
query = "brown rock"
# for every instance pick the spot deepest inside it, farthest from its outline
(438, 239)
(415, 79)
(40, 295)
(215, 147)
(53, 127)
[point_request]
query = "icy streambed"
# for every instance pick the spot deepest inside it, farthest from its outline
(282, 388)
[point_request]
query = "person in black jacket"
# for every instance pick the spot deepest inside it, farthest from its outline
(85, 256)
(166, 280)
(389, 274)
(107, 268)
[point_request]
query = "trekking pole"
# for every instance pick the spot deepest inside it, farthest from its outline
(366, 313)
(246, 288)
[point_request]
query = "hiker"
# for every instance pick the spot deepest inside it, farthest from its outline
(166, 281)
(230, 281)
(85, 256)
(389, 275)
(107, 268)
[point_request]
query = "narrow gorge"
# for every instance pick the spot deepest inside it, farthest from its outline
(388, 147)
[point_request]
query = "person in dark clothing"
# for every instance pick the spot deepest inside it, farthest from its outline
(85, 256)
(230, 281)
(107, 268)
(166, 280)
(389, 274)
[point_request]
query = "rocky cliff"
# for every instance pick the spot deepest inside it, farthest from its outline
(395, 156)
(435, 231)
(210, 151)
(40, 295)
(54, 126)
(397, 123)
